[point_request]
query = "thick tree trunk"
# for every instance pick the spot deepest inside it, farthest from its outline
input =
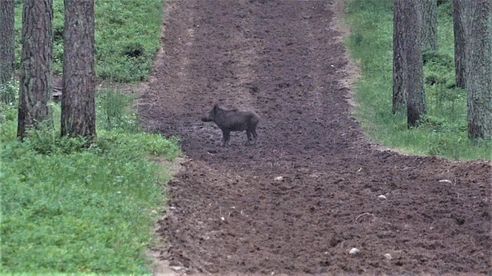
(79, 79)
(408, 79)
(429, 24)
(399, 94)
(479, 83)
(7, 45)
(35, 72)
(462, 23)
(414, 78)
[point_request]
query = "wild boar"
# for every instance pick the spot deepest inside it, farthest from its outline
(233, 120)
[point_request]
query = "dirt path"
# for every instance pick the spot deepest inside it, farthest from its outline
(227, 213)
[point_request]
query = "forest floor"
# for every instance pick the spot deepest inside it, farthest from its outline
(313, 186)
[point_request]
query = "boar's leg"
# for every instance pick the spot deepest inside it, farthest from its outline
(226, 136)
(248, 134)
(253, 131)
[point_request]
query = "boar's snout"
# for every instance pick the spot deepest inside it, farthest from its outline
(206, 119)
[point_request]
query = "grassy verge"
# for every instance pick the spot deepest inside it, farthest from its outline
(445, 131)
(65, 208)
(127, 37)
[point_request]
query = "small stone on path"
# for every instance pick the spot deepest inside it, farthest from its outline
(354, 251)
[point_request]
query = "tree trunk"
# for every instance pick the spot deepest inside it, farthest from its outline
(429, 24)
(399, 94)
(462, 23)
(79, 79)
(414, 78)
(479, 83)
(7, 45)
(36, 69)
(408, 79)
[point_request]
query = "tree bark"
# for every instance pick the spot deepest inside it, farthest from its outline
(414, 78)
(79, 79)
(7, 44)
(36, 68)
(408, 79)
(429, 24)
(462, 15)
(479, 83)
(399, 94)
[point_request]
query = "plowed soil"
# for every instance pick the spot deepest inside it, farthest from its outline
(309, 191)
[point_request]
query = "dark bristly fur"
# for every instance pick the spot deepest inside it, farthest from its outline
(233, 120)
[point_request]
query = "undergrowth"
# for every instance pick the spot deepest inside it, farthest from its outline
(72, 209)
(127, 37)
(444, 132)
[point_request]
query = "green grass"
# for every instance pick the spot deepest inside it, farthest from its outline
(444, 132)
(127, 37)
(72, 209)
(116, 112)
(66, 208)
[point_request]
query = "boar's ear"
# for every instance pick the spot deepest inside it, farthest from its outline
(216, 107)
